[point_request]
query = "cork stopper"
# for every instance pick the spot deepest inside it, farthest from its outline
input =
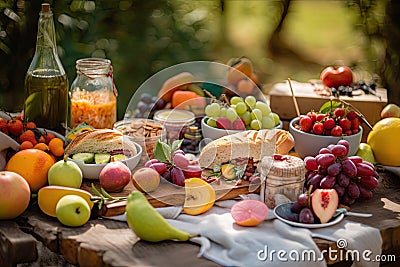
(45, 7)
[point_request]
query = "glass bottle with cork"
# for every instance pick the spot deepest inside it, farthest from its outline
(46, 83)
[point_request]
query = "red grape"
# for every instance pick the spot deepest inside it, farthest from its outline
(178, 177)
(355, 124)
(315, 181)
(306, 216)
(343, 180)
(296, 207)
(339, 112)
(322, 170)
(167, 175)
(344, 143)
(302, 199)
(356, 159)
(365, 193)
(148, 163)
(345, 124)
(306, 123)
(337, 131)
(339, 151)
(364, 169)
(329, 123)
(180, 161)
(349, 168)
(368, 182)
(346, 200)
(334, 169)
(352, 190)
(160, 167)
(311, 163)
(325, 150)
(340, 190)
(318, 128)
(325, 160)
(327, 182)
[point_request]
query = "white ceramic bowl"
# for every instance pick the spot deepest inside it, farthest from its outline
(92, 171)
(307, 144)
(215, 133)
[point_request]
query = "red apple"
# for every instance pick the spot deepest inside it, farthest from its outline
(337, 76)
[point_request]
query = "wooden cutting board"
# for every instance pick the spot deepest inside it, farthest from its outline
(168, 194)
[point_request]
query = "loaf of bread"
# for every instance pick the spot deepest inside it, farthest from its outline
(246, 144)
(101, 141)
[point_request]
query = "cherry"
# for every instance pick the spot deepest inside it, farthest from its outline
(306, 123)
(345, 124)
(337, 131)
(318, 128)
(339, 112)
(351, 115)
(329, 123)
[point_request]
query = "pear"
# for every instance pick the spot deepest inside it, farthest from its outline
(366, 153)
(65, 173)
(390, 110)
(147, 223)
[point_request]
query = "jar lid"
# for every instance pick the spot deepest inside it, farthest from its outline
(282, 166)
(174, 116)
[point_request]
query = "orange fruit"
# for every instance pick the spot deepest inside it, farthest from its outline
(56, 147)
(25, 145)
(199, 196)
(249, 212)
(41, 146)
(33, 165)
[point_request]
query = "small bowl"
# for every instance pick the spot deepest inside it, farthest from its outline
(215, 133)
(92, 171)
(307, 144)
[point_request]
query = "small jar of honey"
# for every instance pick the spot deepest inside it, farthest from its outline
(93, 94)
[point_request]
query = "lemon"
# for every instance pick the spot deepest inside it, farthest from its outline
(384, 141)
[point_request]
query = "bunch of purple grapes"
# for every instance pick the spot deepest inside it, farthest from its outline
(351, 177)
(147, 105)
(171, 171)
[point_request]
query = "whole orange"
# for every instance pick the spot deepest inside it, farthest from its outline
(33, 165)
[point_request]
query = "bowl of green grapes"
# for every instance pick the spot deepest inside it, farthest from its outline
(239, 115)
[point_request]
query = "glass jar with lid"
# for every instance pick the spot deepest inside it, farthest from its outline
(175, 121)
(93, 94)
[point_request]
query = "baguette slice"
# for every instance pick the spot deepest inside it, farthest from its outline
(101, 141)
(246, 144)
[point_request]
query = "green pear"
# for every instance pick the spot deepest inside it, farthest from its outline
(147, 223)
(365, 152)
(65, 173)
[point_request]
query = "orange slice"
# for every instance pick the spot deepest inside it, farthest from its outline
(199, 196)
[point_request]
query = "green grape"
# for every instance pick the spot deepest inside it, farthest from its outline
(241, 108)
(275, 117)
(267, 122)
(255, 124)
(235, 100)
(212, 122)
(246, 117)
(256, 114)
(265, 109)
(231, 114)
(250, 101)
(212, 110)
(222, 112)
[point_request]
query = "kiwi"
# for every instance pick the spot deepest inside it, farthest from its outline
(85, 157)
(119, 157)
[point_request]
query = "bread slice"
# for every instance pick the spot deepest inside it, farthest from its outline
(246, 144)
(101, 141)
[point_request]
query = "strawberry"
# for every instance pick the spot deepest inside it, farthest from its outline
(28, 135)
(15, 127)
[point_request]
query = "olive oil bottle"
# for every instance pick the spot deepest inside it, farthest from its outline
(46, 83)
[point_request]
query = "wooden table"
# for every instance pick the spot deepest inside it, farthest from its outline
(103, 242)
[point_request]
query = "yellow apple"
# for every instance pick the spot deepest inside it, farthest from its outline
(72, 210)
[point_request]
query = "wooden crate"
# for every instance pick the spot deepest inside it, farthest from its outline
(281, 102)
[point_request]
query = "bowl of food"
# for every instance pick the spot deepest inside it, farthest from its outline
(214, 132)
(309, 144)
(92, 150)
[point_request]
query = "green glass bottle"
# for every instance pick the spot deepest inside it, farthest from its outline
(46, 83)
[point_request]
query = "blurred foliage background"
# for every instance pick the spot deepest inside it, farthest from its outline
(283, 38)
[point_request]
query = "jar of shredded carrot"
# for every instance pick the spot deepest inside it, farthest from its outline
(93, 94)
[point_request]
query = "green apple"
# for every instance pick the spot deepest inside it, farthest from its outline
(72, 210)
(366, 153)
(65, 173)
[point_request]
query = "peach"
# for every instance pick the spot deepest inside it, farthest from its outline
(324, 203)
(15, 195)
(146, 179)
(115, 176)
(184, 99)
